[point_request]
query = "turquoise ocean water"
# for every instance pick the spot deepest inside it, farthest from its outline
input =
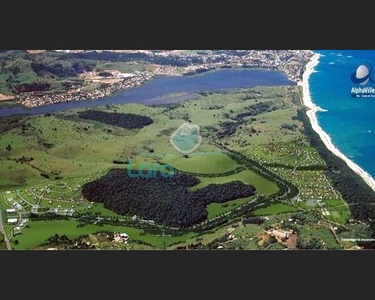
(350, 122)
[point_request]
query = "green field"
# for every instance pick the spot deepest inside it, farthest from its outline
(205, 163)
(73, 151)
(215, 209)
(99, 208)
(37, 232)
(125, 67)
(275, 209)
(339, 210)
(81, 147)
(262, 185)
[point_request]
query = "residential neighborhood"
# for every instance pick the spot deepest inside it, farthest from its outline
(37, 99)
(174, 63)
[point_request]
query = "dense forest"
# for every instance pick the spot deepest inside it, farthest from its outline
(129, 121)
(31, 87)
(352, 187)
(166, 201)
(57, 69)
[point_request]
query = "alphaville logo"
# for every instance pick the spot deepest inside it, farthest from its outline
(362, 75)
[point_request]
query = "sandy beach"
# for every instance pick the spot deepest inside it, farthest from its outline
(311, 113)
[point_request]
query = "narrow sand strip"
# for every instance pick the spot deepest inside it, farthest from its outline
(311, 113)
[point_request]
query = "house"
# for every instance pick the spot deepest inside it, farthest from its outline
(12, 221)
(280, 234)
(10, 211)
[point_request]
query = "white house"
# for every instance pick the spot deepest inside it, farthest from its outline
(10, 211)
(12, 221)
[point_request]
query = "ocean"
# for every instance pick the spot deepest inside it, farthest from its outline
(350, 122)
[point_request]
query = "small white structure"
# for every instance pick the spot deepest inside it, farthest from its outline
(10, 211)
(34, 209)
(12, 221)
(122, 75)
(121, 238)
(134, 218)
(124, 236)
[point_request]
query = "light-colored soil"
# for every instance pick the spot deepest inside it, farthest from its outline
(5, 97)
(35, 51)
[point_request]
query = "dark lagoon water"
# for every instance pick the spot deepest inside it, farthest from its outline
(153, 92)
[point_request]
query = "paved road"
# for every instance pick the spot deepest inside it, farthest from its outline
(2, 229)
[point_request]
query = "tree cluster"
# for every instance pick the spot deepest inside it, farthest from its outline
(32, 87)
(129, 121)
(59, 70)
(166, 201)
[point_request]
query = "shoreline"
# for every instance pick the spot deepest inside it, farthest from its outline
(312, 115)
(35, 101)
(20, 109)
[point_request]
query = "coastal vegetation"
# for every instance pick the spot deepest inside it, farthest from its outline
(353, 188)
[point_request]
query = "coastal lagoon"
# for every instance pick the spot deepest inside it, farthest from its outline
(168, 89)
